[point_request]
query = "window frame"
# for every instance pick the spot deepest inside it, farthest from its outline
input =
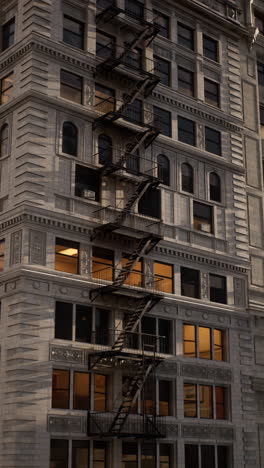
(163, 172)
(184, 177)
(66, 84)
(206, 222)
(71, 245)
(225, 299)
(209, 143)
(198, 461)
(6, 44)
(158, 14)
(10, 87)
(159, 62)
(180, 89)
(65, 138)
(198, 400)
(161, 123)
(215, 53)
(195, 284)
(212, 98)
(81, 36)
(87, 179)
(213, 346)
(181, 40)
(217, 188)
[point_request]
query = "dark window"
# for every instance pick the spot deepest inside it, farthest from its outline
(105, 45)
(261, 74)
(163, 169)
(83, 331)
(162, 120)
(104, 99)
(148, 455)
(162, 70)
(220, 402)
(150, 203)
(218, 289)
(164, 398)
(101, 326)
(185, 36)
(69, 138)
(81, 391)
(129, 455)
(166, 456)
(133, 162)
(198, 342)
(202, 217)
(163, 22)
(105, 3)
(63, 321)
(215, 187)
(213, 141)
(7, 84)
(186, 131)
(103, 264)
(73, 32)
(207, 456)
(67, 256)
(4, 140)
(71, 86)
(185, 81)
(2, 254)
(99, 454)
(222, 456)
(60, 388)
(261, 115)
(191, 456)
(187, 177)
(8, 34)
(105, 149)
(259, 23)
(211, 93)
(87, 183)
(190, 282)
(210, 48)
(190, 400)
(134, 8)
(59, 453)
(133, 58)
(80, 454)
(134, 112)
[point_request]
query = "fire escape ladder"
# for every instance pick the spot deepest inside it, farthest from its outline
(107, 14)
(140, 189)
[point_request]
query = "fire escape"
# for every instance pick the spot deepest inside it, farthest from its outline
(143, 363)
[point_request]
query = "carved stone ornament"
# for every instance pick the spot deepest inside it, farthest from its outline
(172, 430)
(72, 424)
(202, 431)
(37, 247)
(168, 367)
(206, 372)
(61, 353)
(16, 247)
(239, 291)
(200, 135)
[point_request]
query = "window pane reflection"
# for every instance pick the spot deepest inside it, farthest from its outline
(204, 343)
(60, 388)
(100, 392)
(81, 391)
(189, 340)
(206, 401)
(190, 401)
(163, 277)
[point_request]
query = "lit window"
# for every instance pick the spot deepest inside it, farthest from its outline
(204, 342)
(103, 264)
(60, 388)
(163, 22)
(105, 149)
(186, 131)
(185, 36)
(218, 291)
(81, 391)
(185, 81)
(187, 177)
(7, 84)
(71, 86)
(211, 93)
(163, 169)
(259, 23)
(73, 32)
(69, 138)
(189, 340)
(190, 282)
(215, 187)
(213, 141)
(202, 217)
(87, 183)
(162, 120)
(210, 48)
(4, 140)
(2, 254)
(190, 400)
(99, 454)
(166, 456)
(163, 277)
(150, 203)
(8, 34)
(148, 455)
(67, 256)
(162, 70)
(80, 454)
(212, 401)
(136, 276)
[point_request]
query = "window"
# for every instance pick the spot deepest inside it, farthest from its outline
(103, 264)
(259, 22)
(202, 217)
(152, 327)
(163, 277)
(163, 169)
(63, 321)
(99, 454)
(187, 177)
(83, 325)
(164, 397)
(134, 112)
(59, 453)
(185, 81)
(81, 391)
(71, 86)
(186, 131)
(218, 288)
(185, 36)
(163, 22)
(148, 455)
(136, 276)
(210, 48)
(2, 254)
(69, 138)
(215, 187)
(134, 8)
(67, 256)
(162, 69)
(7, 84)
(129, 455)
(150, 203)
(80, 454)
(4, 140)
(211, 93)
(8, 34)
(60, 388)
(100, 392)
(261, 74)
(213, 141)
(104, 99)
(204, 401)
(204, 342)
(73, 32)
(133, 162)
(87, 183)
(190, 282)
(105, 3)
(166, 456)
(105, 45)
(162, 120)
(105, 149)
(261, 118)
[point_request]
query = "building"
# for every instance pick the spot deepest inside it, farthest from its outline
(131, 246)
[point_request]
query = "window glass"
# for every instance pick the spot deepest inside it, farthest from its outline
(81, 391)
(80, 454)
(215, 187)
(105, 45)
(99, 454)
(213, 141)
(150, 203)
(104, 99)
(261, 74)
(162, 120)
(222, 456)
(4, 140)
(2, 254)
(218, 345)
(133, 162)
(206, 401)
(58, 453)
(69, 138)
(191, 456)
(210, 48)
(8, 34)
(135, 277)
(205, 348)
(190, 400)
(87, 183)
(164, 330)
(100, 389)
(134, 8)
(190, 282)
(83, 328)
(71, 86)
(148, 455)
(105, 3)
(165, 456)
(186, 131)
(187, 177)
(7, 84)
(134, 112)
(73, 32)
(189, 336)
(129, 455)
(148, 396)
(218, 289)
(164, 398)
(163, 22)
(185, 36)
(211, 93)
(105, 149)
(60, 388)
(202, 217)
(207, 456)
(67, 256)
(185, 81)
(102, 326)
(163, 169)
(162, 70)
(63, 321)
(259, 23)
(103, 262)
(163, 277)
(220, 402)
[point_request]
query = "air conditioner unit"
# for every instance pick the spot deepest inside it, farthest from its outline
(89, 194)
(204, 227)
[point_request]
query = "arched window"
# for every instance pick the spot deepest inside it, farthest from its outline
(69, 138)
(215, 187)
(187, 177)
(163, 169)
(4, 140)
(105, 149)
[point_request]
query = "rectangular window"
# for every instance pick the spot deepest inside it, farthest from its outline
(73, 32)
(212, 401)
(136, 276)
(210, 48)
(185, 81)
(206, 401)
(81, 391)
(165, 334)
(100, 392)
(105, 45)
(2, 254)
(67, 256)
(134, 112)
(133, 59)
(189, 340)
(163, 22)
(150, 203)
(166, 456)
(220, 402)
(7, 84)
(163, 277)
(103, 264)
(71, 86)
(162, 120)
(211, 93)
(204, 342)
(162, 69)
(104, 99)
(223, 457)
(129, 455)
(99, 454)
(59, 450)
(190, 400)
(207, 455)
(191, 456)
(190, 282)
(83, 325)
(148, 455)
(213, 141)
(218, 288)
(203, 217)
(80, 454)
(8, 34)
(219, 354)
(186, 131)
(259, 23)
(102, 319)
(60, 388)
(63, 321)
(185, 36)
(261, 74)
(87, 183)
(164, 397)
(134, 8)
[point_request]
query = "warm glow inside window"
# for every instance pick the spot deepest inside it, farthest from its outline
(189, 348)
(104, 99)
(81, 391)
(135, 277)
(204, 342)
(100, 389)
(67, 256)
(7, 84)
(2, 254)
(163, 277)
(99, 454)
(103, 264)
(60, 388)
(205, 401)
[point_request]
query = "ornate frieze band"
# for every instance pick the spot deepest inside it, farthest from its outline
(206, 372)
(69, 424)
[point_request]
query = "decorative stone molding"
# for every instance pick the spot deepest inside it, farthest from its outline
(61, 353)
(37, 247)
(172, 430)
(239, 292)
(168, 367)
(16, 247)
(206, 372)
(69, 424)
(204, 286)
(202, 431)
